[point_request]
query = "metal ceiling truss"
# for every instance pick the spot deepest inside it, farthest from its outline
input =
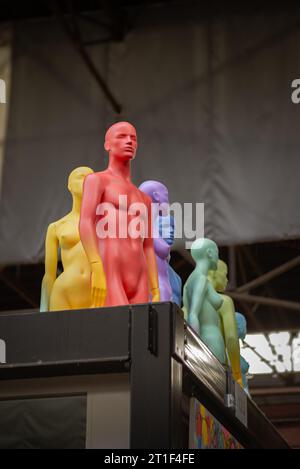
(242, 292)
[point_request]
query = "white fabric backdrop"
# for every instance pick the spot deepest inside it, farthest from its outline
(211, 101)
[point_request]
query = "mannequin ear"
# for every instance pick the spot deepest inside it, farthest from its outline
(209, 253)
(156, 196)
(106, 145)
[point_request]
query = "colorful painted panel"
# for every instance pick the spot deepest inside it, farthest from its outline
(206, 432)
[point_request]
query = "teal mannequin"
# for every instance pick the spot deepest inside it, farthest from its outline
(201, 302)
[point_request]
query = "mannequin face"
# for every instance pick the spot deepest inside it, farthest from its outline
(76, 179)
(121, 141)
(166, 225)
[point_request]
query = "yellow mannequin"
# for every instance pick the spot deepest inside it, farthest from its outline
(71, 289)
(219, 280)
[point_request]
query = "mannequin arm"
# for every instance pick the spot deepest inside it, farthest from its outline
(92, 192)
(49, 278)
(150, 256)
(196, 303)
(185, 304)
(227, 312)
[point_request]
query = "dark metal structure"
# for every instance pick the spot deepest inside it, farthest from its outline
(166, 362)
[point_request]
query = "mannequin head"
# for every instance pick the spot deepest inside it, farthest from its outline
(76, 178)
(218, 277)
(158, 194)
(121, 141)
(205, 249)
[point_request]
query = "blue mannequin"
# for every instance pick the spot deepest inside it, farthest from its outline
(176, 285)
(242, 331)
(159, 196)
(166, 231)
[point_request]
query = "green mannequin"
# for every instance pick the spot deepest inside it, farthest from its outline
(219, 281)
(201, 302)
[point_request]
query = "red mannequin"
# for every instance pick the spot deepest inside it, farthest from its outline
(123, 268)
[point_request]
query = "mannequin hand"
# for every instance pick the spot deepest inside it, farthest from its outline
(155, 294)
(98, 285)
(239, 380)
(185, 313)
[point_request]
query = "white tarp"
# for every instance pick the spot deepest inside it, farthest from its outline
(211, 101)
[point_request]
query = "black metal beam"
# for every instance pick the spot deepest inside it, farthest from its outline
(156, 380)
(65, 342)
(167, 362)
